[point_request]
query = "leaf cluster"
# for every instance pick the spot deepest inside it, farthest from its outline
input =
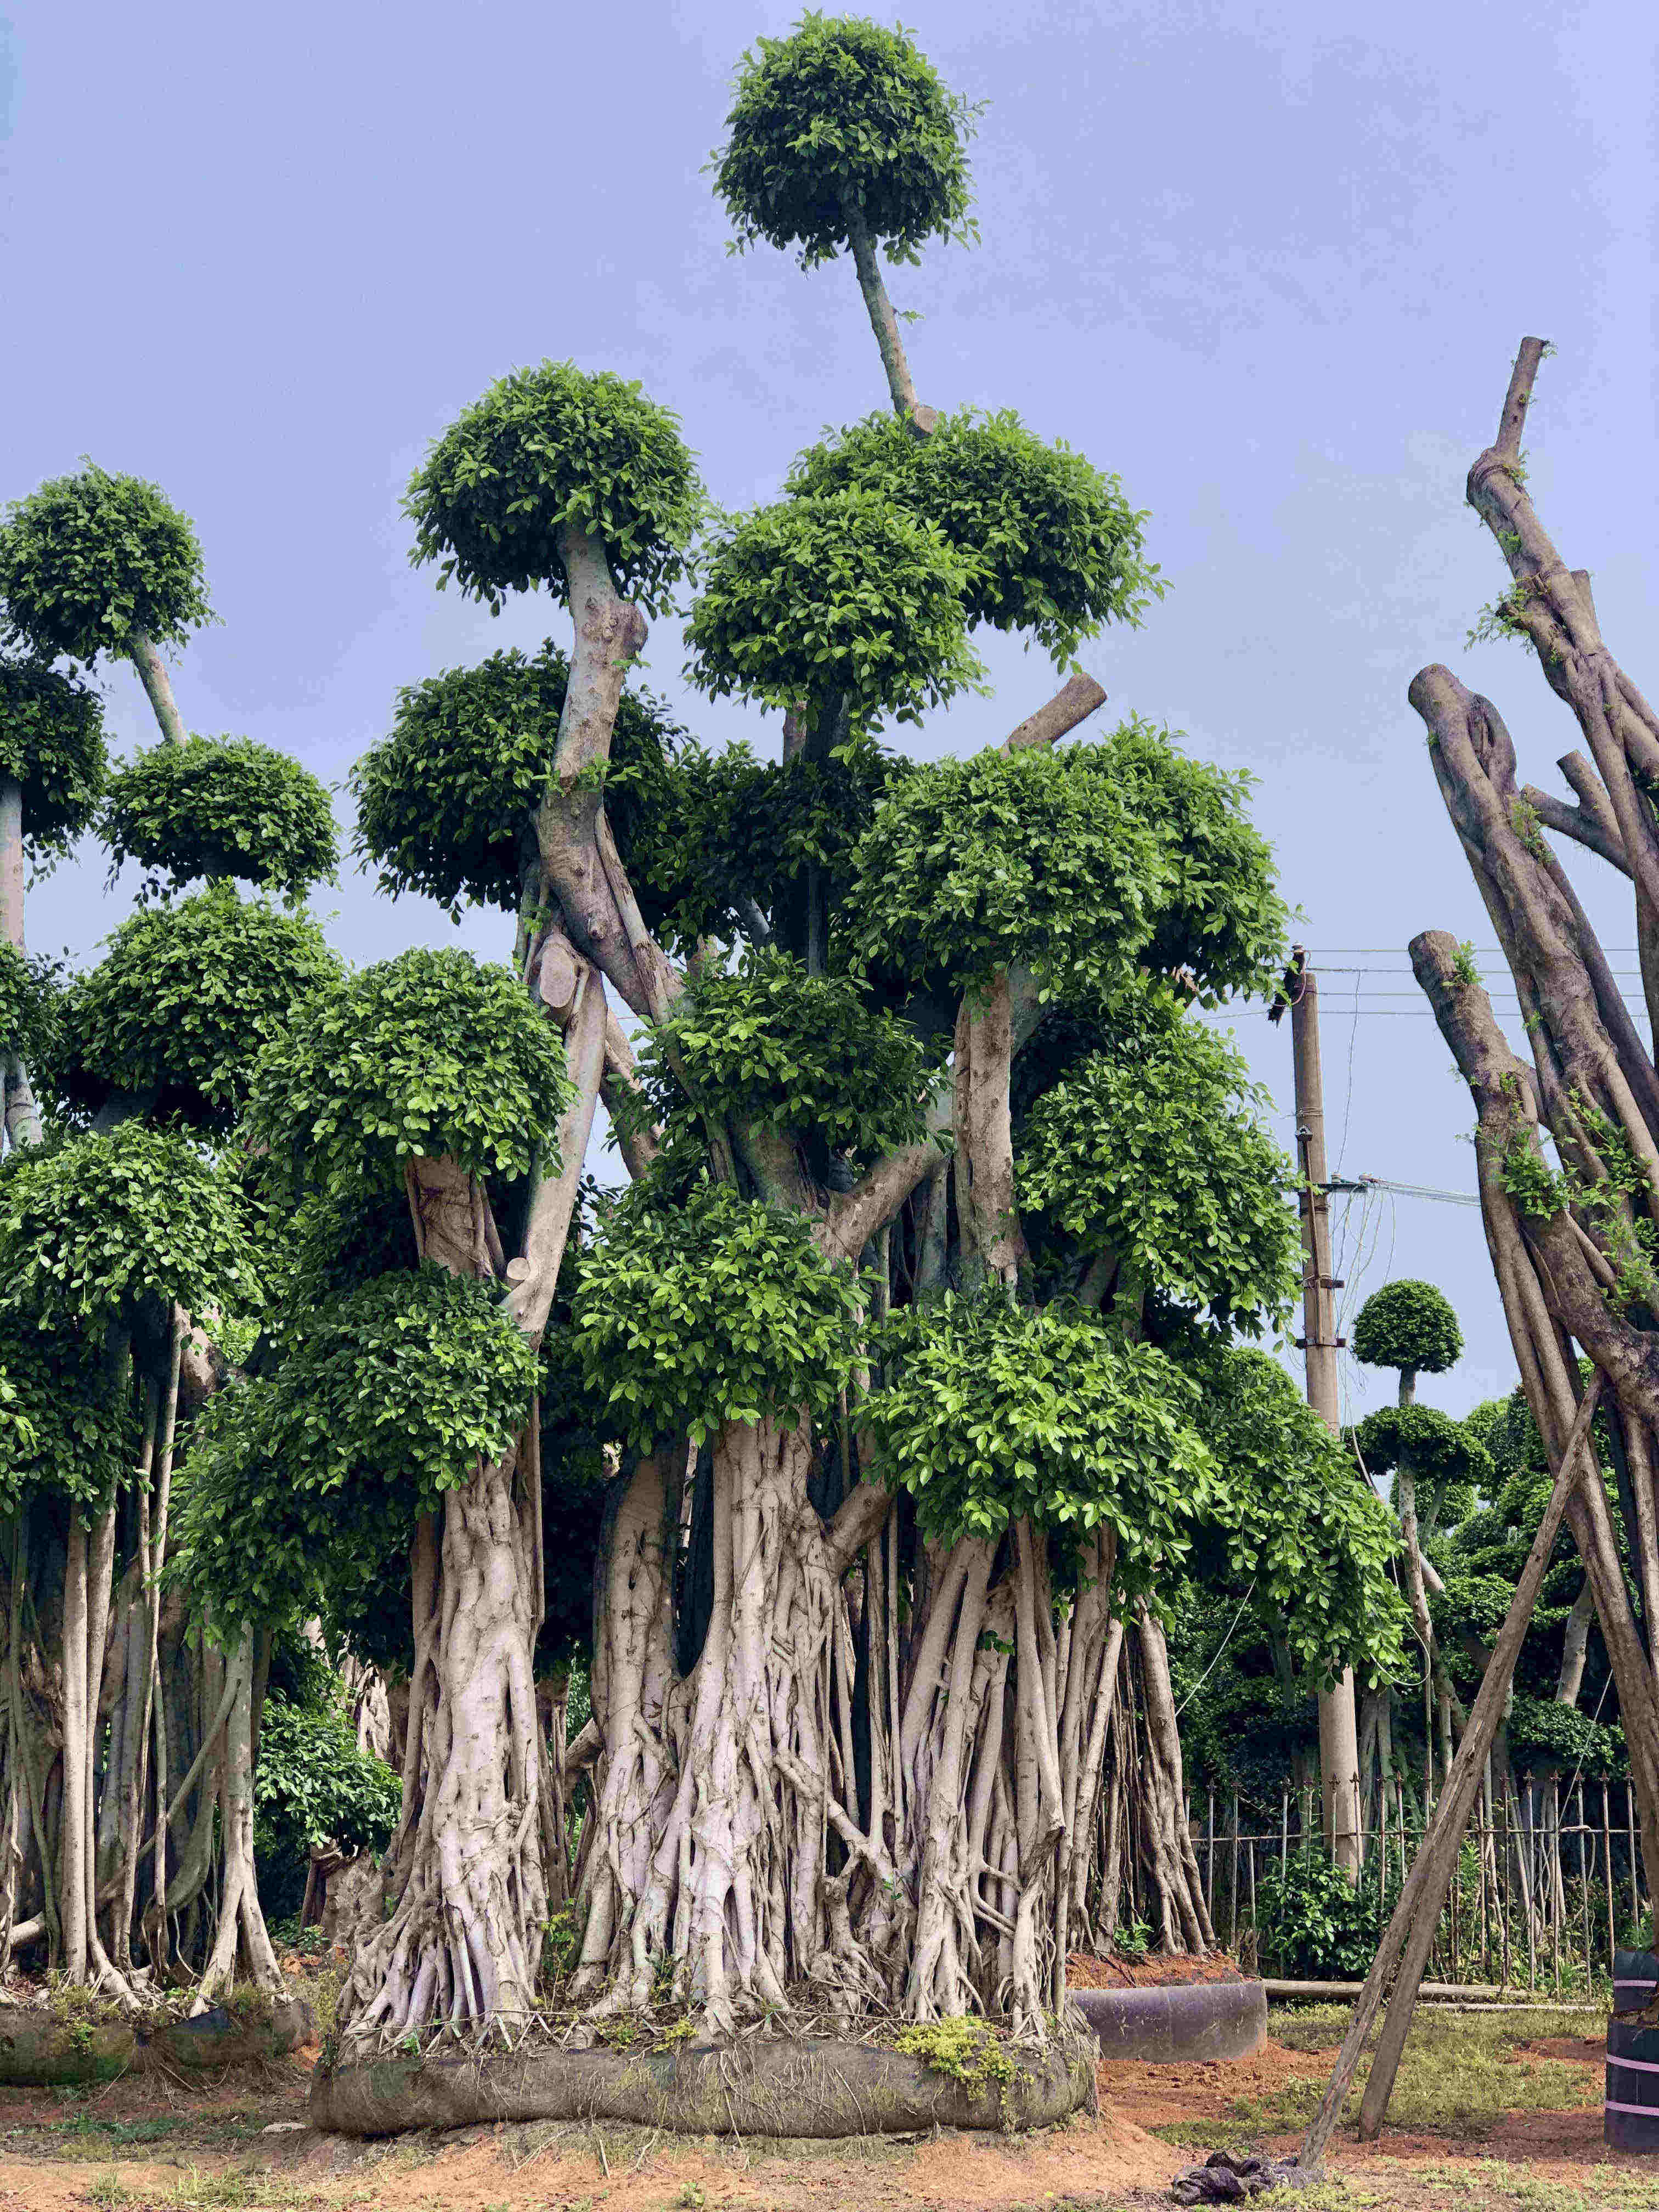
(1154, 1150)
(721, 1309)
(221, 807)
(990, 1412)
(548, 448)
(91, 1226)
(842, 596)
(185, 999)
(312, 1783)
(51, 742)
(843, 112)
(1031, 858)
(67, 1426)
(802, 1056)
(30, 1012)
(1291, 1517)
(1436, 1448)
(368, 1408)
(426, 1055)
(86, 560)
(445, 803)
(1049, 544)
(1408, 1325)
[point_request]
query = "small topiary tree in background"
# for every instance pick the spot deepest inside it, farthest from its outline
(1410, 1327)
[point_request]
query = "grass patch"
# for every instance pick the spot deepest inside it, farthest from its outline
(1459, 2073)
(1491, 2181)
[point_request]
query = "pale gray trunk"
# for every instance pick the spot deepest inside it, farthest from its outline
(158, 686)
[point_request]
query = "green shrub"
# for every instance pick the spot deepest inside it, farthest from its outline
(312, 1782)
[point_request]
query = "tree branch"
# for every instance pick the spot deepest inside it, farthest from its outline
(1518, 398)
(1071, 705)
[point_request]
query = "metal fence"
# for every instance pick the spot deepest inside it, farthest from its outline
(1549, 1883)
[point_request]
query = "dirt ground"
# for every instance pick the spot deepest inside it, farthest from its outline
(144, 2145)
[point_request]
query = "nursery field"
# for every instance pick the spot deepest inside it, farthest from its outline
(1490, 2110)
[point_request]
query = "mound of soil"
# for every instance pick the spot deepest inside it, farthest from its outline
(1159, 1970)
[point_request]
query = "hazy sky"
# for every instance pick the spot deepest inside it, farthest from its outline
(1270, 264)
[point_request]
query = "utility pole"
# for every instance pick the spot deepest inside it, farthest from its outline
(1339, 1734)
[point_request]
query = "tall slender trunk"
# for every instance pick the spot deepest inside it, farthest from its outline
(883, 319)
(158, 685)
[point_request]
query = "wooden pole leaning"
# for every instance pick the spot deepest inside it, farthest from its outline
(1412, 1926)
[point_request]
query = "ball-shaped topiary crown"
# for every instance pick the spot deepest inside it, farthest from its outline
(1154, 1149)
(216, 807)
(185, 999)
(843, 595)
(51, 742)
(843, 112)
(91, 1227)
(428, 1055)
(1029, 856)
(720, 1310)
(547, 446)
(86, 560)
(1408, 1325)
(1052, 545)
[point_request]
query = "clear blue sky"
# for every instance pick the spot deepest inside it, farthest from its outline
(1269, 263)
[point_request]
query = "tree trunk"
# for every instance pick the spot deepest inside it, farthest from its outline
(158, 686)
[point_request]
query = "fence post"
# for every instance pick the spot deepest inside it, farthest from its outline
(1607, 1860)
(1209, 1858)
(1232, 1898)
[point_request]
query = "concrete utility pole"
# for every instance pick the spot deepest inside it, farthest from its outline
(1339, 1734)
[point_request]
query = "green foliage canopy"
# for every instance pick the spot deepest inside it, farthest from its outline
(990, 1412)
(1049, 544)
(429, 1055)
(1294, 1519)
(843, 112)
(446, 801)
(66, 1426)
(187, 996)
(374, 1405)
(1151, 1151)
(221, 807)
(87, 560)
(1409, 1325)
(93, 1225)
(842, 595)
(1030, 857)
(547, 447)
(801, 1056)
(720, 1310)
(51, 742)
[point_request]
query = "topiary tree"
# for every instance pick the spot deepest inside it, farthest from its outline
(842, 137)
(52, 771)
(174, 1017)
(820, 1284)
(93, 564)
(875, 1409)
(1409, 1325)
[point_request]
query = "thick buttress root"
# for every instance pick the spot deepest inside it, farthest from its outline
(463, 1940)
